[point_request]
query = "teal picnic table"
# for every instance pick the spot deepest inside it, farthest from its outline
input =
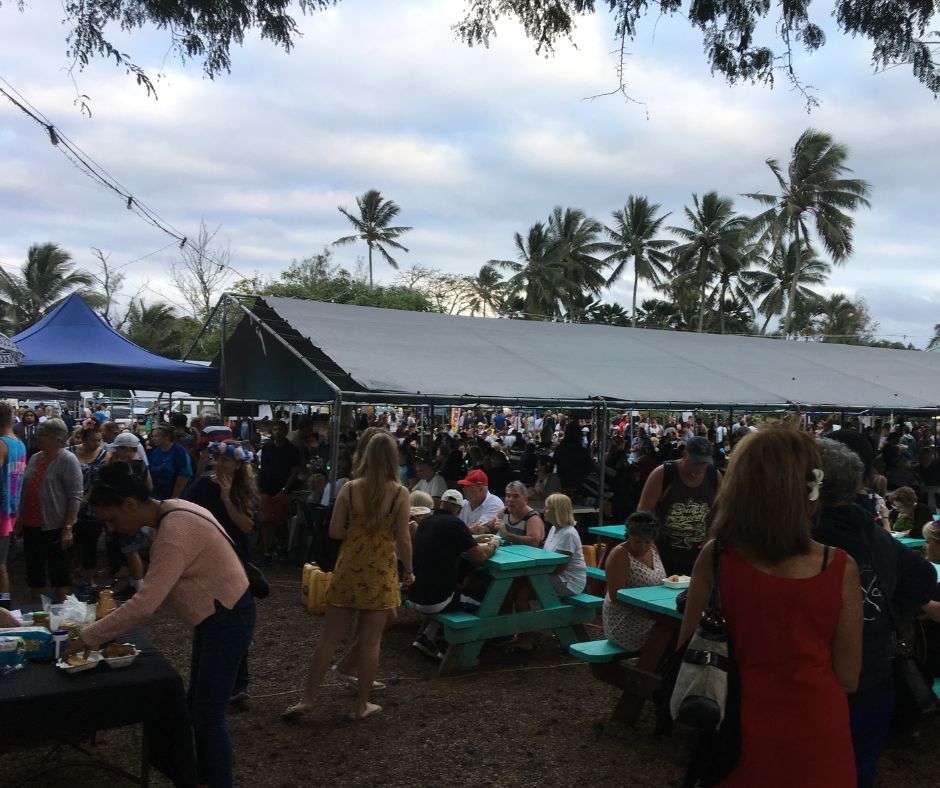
(614, 533)
(910, 541)
(640, 677)
(466, 633)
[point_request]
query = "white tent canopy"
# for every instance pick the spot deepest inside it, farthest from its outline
(390, 355)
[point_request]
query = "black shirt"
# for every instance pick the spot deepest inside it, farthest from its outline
(205, 492)
(276, 463)
(438, 543)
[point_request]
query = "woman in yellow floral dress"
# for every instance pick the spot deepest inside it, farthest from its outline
(371, 518)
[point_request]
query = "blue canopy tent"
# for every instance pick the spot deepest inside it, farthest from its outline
(73, 347)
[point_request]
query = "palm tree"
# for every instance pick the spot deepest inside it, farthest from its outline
(713, 240)
(633, 238)
(813, 190)
(843, 321)
(657, 313)
(155, 327)
(537, 277)
(772, 285)
(488, 288)
(46, 278)
(372, 226)
(574, 240)
(609, 314)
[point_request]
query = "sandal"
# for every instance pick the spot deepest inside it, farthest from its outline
(295, 713)
(353, 681)
(371, 708)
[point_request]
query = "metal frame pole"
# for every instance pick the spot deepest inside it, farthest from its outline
(337, 408)
(602, 475)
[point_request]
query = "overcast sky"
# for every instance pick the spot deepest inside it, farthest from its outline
(473, 144)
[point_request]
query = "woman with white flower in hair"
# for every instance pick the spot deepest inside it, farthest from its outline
(793, 612)
(230, 493)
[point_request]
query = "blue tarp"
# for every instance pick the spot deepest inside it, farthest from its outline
(73, 347)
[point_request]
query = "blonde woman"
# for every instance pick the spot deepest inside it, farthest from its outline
(370, 518)
(570, 578)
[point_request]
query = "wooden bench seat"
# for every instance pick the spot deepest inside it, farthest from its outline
(594, 573)
(458, 620)
(597, 651)
(583, 600)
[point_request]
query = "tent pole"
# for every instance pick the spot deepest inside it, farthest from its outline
(602, 446)
(334, 441)
(223, 304)
(429, 429)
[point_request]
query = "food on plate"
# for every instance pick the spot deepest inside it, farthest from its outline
(673, 578)
(113, 650)
(77, 660)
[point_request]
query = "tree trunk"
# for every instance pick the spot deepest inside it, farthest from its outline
(763, 329)
(794, 282)
(721, 307)
(370, 266)
(636, 279)
(701, 295)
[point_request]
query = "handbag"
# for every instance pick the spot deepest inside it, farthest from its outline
(257, 582)
(915, 697)
(700, 694)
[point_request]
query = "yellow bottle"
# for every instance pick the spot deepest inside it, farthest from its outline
(305, 584)
(319, 584)
(590, 554)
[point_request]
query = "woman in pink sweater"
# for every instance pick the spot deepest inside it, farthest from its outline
(194, 567)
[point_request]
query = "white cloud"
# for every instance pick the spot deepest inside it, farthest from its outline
(473, 144)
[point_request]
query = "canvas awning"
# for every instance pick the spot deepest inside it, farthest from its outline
(296, 350)
(73, 347)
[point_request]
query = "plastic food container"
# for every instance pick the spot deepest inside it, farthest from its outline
(93, 659)
(682, 582)
(122, 662)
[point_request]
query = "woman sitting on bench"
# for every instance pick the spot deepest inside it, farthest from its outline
(632, 564)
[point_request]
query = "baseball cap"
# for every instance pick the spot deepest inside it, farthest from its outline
(700, 450)
(452, 496)
(474, 477)
(128, 439)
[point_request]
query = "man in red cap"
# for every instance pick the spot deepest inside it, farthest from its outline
(481, 507)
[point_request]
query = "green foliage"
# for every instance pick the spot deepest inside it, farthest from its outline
(157, 328)
(316, 278)
(47, 277)
(372, 225)
(814, 193)
(744, 40)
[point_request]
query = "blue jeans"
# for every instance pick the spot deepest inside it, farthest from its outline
(219, 644)
(869, 730)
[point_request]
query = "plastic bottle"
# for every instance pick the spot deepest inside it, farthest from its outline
(319, 584)
(305, 584)
(106, 603)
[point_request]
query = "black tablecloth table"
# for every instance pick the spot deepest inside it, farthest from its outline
(41, 703)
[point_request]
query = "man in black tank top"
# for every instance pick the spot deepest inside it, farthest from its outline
(681, 493)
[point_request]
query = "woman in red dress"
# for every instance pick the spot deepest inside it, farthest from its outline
(794, 616)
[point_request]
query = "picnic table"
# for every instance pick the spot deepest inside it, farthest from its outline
(614, 533)
(466, 633)
(910, 541)
(639, 678)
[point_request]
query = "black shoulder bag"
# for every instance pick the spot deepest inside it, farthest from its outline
(915, 698)
(257, 582)
(701, 688)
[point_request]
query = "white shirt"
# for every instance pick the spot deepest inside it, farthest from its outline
(435, 487)
(574, 575)
(485, 512)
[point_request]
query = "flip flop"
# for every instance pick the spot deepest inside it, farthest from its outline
(295, 713)
(375, 709)
(353, 681)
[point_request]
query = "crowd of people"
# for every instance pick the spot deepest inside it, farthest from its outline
(805, 515)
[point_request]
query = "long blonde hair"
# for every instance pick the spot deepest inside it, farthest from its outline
(376, 469)
(558, 510)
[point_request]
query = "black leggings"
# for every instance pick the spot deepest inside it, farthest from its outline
(43, 552)
(87, 532)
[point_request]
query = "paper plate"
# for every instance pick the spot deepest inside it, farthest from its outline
(682, 582)
(93, 659)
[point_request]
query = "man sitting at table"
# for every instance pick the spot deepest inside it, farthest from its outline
(429, 480)
(481, 508)
(521, 524)
(436, 550)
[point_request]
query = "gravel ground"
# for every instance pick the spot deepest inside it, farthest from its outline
(517, 719)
